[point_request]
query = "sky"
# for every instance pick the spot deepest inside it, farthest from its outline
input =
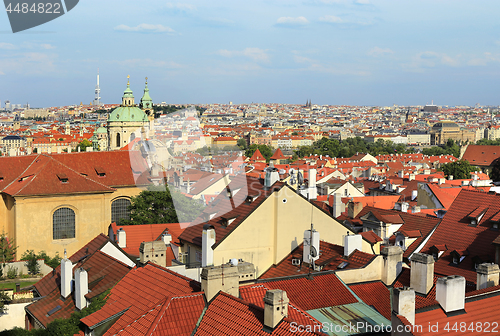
(336, 52)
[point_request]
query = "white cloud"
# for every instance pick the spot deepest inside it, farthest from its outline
(363, 2)
(8, 46)
(29, 63)
(47, 46)
(331, 19)
(431, 59)
(181, 6)
(292, 21)
(145, 28)
(376, 51)
(256, 54)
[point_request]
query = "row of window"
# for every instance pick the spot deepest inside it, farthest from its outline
(63, 219)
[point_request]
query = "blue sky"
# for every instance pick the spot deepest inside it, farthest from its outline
(357, 52)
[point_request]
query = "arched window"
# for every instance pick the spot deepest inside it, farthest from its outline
(119, 210)
(63, 224)
(118, 140)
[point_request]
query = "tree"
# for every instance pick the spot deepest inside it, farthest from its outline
(84, 144)
(31, 262)
(459, 169)
(157, 205)
(495, 171)
(7, 250)
(242, 143)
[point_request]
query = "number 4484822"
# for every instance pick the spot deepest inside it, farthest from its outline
(472, 327)
(47, 8)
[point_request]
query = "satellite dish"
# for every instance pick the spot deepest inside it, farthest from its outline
(313, 252)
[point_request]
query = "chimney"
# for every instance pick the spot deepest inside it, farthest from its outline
(414, 194)
(416, 209)
(422, 273)
(224, 278)
(450, 177)
(403, 303)
(338, 206)
(167, 238)
(275, 307)
(354, 208)
(487, 275)
(271, 177)
(351, 243)
(66, 276)
(404, 206)
(393, 263)
(207, 240)
(450, 293)
(411, 177)
(441, 180)
(59, 150)
(154, 251)
(81, 288)
(401, 174)
(122, 238)
(312, 192)
(311, 238)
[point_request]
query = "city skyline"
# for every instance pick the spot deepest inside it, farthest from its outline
(333, 52)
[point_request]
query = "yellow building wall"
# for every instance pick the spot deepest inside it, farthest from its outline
(29, 221)
(275, 228)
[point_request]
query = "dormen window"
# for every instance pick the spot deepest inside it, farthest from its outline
(119, 210)
(63, 224)
(62, 177)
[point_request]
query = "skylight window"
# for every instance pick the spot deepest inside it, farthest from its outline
(62, 177)
(100, 171)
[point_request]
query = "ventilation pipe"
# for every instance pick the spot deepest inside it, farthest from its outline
(207, 240)
(81, 288)
(66, 276)
(122, 238)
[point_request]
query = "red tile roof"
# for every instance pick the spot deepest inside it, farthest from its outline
(313, 293)
(138, 292)
(330, 258)
(176, 315)
(53, 280)
(479, 155)
(278, 155)
(374, 294)
(457, 233)
(244, 319)
(257, 156)
(103, 273)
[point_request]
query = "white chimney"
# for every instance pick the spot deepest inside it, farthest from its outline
(416, 209)
(66, 276)
(475, 177)
(411, 177)
(275, 307)
(271, 177)
(414, 194)
(403, 303)
(81, 288)
(393, 263)
(167, 238)
(310, 239)
(401, 174)
(338, 206)
(450, 177)
(404, 206)
(312, 192)
(207, 240)
(422, 273)
(122, 238)
(352, 243)
(487, 275)
(450, 293)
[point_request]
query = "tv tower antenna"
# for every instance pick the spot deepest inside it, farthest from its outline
(97, 98)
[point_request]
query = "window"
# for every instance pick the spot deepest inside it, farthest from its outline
(119, 210)
(63, 221)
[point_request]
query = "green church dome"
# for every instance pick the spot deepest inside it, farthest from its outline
(101, 130)
(128, 113)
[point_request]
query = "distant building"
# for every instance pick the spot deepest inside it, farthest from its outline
(442, 131)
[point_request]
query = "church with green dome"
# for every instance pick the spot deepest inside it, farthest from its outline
(129, 121)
